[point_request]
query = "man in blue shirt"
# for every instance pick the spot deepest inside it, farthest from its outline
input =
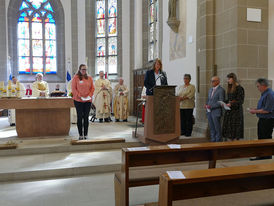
(265, 112)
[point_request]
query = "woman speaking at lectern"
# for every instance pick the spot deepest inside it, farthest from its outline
(155, 77)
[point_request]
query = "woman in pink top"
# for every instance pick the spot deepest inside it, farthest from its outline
(82, 90)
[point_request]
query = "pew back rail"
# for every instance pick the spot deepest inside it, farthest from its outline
(219, 181)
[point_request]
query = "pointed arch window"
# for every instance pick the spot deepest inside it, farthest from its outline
(106, 36)
(36, 38)
(153, 30)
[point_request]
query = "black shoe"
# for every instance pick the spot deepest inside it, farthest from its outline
(106, 120)
(117, 120)
(125, 120)
(85, 137)
(101, 120)
(80, 137)
(13, 124)
(260, 158)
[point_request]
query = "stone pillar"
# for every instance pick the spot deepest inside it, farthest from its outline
(3, 42)
(138, 21)
(227, 42)
(74, 35)
(205, 58)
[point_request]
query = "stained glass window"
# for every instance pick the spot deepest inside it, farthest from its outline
(153, 29)
(106, 36)
(36, 38)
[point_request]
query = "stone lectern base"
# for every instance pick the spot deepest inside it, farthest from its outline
(140, 136)
(162, 117)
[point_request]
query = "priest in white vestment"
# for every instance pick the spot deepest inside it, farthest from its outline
(121, 101)
(17, 90)
(102, 98)
(40, 88)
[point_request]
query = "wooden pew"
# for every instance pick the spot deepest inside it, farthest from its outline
(218, 181)
(163, 155)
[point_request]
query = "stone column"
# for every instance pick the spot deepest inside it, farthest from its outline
(74, 35)
(3, 42)
(205, 58)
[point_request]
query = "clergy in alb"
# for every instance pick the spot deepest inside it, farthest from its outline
(102, 98)
(15, 89)
(121, 101)
(40, 88)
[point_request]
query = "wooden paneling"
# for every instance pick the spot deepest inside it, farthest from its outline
(138, 77)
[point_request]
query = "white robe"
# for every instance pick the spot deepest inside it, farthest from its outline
(22, 91)
(38, 87)
(121, 102)
(102, 98)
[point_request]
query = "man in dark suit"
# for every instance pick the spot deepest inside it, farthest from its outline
(155, 77)
(214, 109)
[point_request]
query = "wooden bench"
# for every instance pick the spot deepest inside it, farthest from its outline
(219, 181)
(164, 155)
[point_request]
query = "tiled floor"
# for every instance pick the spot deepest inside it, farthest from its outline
(96, 189)
(58, 161)
(96, 131)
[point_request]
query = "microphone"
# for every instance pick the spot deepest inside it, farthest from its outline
(161, 76)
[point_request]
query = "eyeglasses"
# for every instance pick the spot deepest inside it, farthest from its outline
(214, 80)
(84, 69)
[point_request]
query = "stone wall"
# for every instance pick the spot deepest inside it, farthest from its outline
(227, 42)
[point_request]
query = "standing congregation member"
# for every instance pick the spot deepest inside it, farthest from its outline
(121, 101)
(233, 125)
(214, 109)
(102, 98)
(19, 87)
(40, 88)
(82, 92)
(265, 112)
(155, 77)
(187, 103)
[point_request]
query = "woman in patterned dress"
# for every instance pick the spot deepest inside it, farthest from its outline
(233, 125)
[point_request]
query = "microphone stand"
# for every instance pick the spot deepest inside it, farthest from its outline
(160, 76)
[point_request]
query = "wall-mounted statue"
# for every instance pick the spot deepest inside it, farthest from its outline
(172, 19)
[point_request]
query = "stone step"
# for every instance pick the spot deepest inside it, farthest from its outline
(54, 165)
(32, 149)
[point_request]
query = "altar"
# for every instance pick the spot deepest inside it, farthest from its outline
(38, 117)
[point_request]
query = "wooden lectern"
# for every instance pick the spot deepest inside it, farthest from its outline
(162, 118)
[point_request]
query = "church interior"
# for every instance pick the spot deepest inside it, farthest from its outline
(135, 151)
